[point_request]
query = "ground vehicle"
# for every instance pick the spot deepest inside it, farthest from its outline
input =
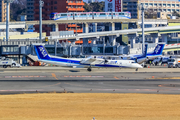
(174, 62)
(6, 62)
(90, 15)
(161, 60)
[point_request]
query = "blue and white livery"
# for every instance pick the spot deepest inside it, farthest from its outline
(151, 55)
(137, 58)
(157, 51)
(142, 57)
(90, 15)
(89, 62)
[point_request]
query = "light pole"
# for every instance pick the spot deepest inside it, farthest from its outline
(41, 3)
(7, 17)
(142, 9)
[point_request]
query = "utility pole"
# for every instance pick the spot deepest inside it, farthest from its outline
(7, 17)
(41, 3)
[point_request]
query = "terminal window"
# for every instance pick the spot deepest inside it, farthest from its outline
(87, 50)
(109, 50)
(10, 49)
(51, 50)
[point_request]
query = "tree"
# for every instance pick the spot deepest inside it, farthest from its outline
(87, 7)
(175, 14)
(150, 14)
(18, 7)
(94, 7)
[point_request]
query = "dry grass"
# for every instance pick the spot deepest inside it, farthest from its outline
(72, 106)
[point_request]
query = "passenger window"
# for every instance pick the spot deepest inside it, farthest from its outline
(102, 13)
(63, 14)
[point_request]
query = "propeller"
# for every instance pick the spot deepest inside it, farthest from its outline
(136, 60)
(105, 61)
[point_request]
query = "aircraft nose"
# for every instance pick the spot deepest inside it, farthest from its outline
(139, 66)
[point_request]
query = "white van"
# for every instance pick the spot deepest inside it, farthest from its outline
(174, 63)
(6, 62)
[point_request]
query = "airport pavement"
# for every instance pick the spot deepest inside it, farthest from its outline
(149, 80)
(69, 69)
(153, 87)
(86, 76)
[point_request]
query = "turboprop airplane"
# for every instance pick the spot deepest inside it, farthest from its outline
(151, 55)
(138, 58)
(89, 62)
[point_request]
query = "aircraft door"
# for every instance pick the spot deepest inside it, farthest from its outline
(68, 63)
(120, 64)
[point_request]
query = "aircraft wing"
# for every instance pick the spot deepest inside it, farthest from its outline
(125, 57)
(92, 61)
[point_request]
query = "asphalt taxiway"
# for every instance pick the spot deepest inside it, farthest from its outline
(55, 79)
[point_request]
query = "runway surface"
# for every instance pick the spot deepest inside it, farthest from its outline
(90, 82)
(162, 87)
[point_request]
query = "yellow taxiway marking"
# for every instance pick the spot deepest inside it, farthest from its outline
(54, 75)
(116, 77)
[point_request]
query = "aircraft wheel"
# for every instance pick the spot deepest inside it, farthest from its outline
(176, 66)
(89, 69)
(4, 66)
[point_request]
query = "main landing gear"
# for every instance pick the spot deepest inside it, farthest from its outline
(136, 69)
(89, 69)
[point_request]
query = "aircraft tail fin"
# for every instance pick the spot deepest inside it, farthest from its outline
(41, 52)
(158, 50)
(144, 53)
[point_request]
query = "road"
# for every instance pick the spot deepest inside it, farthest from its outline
(91, 82)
